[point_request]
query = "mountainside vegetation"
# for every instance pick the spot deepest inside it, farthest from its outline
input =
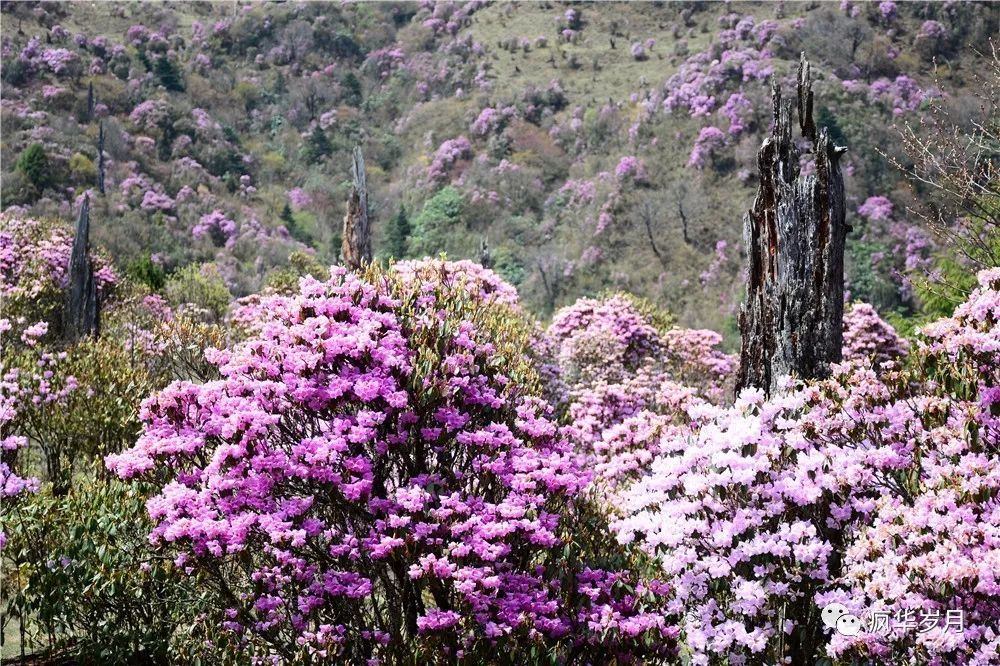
(592, 148)
(546, 333)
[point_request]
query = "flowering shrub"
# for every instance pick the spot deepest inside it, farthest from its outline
(576, 193)
(711, 274)
(739, 111)
(932, 30)
(693, 359)
(836, 492)
(203, 120)
(137, 34)
(602, 340)
(632, 167)
(710, 139)
(481, 284)
(79, 403)
(491, 120)
(373, 456)
(447, 154)
(150, 114)
(59, 61)
(876, 208)
(154, 201)
(12, 485)
(932, 36)
(868, 336)
(299, 198)
(34, 266)
(215, 225)
(902, 94)
(629, 377)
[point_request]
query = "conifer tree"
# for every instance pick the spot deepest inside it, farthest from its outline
(398, 234)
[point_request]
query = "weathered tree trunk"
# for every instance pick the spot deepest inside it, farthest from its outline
(81, 317)
(485, 258)
(357, 239)
(90, 101)
(100, 158)
(794, 236)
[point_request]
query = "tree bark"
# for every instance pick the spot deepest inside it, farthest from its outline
(357, 239)
(485, 258)
(100, 158)
(794, 236)
(81, 316)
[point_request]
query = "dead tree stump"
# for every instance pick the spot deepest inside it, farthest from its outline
(485, 258)
(357, 239)
(81, 316)
(100, 158)
(794, 235)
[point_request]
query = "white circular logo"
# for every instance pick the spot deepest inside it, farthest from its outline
(848, 625)
(832, 613)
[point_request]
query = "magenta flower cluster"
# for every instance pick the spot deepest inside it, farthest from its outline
(631, 167)
(157, 201)
(299, 198)
(602, 340)
(868, 336)
(447, 154)
(626, 383)
(58, 60)
(366, 480)
(480, 283)
(710, 140)
(876, 208)
(150, 114)
(34, 259)
(11, 484)
(216, 225)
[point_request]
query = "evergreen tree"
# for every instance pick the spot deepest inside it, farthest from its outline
(169, 75)
(165, 144)
(144, 59)
(352, 89)
(293, 227)
(143, 270)
(280, 86)
(434, 227)
(825, 118)
(398, 234)
(34, 164)
(286, 217)
(317, 145)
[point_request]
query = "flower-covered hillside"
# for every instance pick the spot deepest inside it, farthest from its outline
(592, 146)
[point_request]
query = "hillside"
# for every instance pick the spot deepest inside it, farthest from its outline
(527, 430)
(591, 146)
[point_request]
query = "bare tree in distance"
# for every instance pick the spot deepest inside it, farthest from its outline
(356, 245)
(82, 314)
(953, 161)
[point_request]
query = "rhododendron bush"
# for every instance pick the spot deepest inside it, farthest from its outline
(34, 269)
(877, 491)
(374, 466)
(866, 335)
(627, 376)
(489, 414)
